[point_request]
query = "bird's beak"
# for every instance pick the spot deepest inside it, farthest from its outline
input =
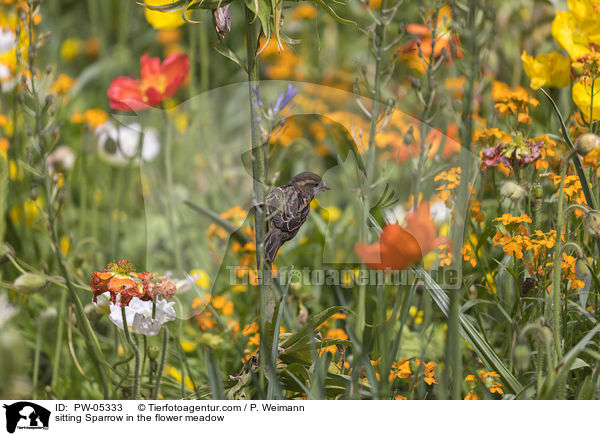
(323, 186)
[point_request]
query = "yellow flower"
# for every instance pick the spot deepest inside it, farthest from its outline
(65, 247)
(331, 213)
(472, 396)
(550, 69)
(171, 371)
(92, 117)
(163, 20)
(304, 10)
(201, 277)
(187, 346)
(63, 84)
(69, 49)
(582, 96)
(577, 30)
(567, 33)
(28, 212)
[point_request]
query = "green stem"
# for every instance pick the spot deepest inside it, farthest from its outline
(36, 358)
(135, 390)
(259, 174)
(170, 200)
(380, 54)
(59, 339)
(556, 277)
(161, 365)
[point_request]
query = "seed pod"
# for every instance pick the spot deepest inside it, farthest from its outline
(30, 283)
(582, 272)
(91, 313)
(586, 143)
(6, 251)
(521, 357)
(153, 352)
(537, 190)
(591, 223)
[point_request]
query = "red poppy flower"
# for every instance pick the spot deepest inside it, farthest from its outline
(158, 81)
(120, 280)
(400, 247)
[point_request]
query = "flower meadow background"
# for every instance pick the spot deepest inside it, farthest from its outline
(455, 256)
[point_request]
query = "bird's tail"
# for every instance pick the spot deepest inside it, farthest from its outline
(273, 241)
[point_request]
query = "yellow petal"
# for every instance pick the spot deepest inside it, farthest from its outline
(163, 20)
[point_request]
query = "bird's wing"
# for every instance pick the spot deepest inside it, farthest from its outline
(286, 209)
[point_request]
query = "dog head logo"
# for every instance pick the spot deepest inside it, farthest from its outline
(26, 415)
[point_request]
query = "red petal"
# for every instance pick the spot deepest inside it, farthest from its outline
(174, 68)
(150, 67)
(124, 94)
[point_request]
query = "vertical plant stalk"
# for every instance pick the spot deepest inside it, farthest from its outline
(170, 201)
(59, 338)
(453, 342)
(380, 53)
(556, 276)
(135, 390)
(161, 365)
(36, 358)
(93, 346)
(259, 175)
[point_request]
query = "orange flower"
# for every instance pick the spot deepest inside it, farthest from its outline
(158, 81)
(121, 280)
(400, 248)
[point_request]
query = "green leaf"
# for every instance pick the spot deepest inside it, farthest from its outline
(3, 194)
(551, 384)
(313, 323)
(484, 350)
(262, 10)
(323, 5)
(240, 236)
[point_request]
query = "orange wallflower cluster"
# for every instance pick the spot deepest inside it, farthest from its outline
(572, 189)
(92, 117)
(402, 369)
(251, 331)
(444, 41)
(489, 379)
(220, 304)
(515, 101)
(452, 179)
(281, 62)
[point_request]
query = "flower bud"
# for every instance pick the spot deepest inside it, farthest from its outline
(537, 190)
(102, 304)
(30, 283)
(6, 251)
(521, 357)
(153, 352)
(582, 272)
(591, 223)
(513, 191)
(586, 143)
(91, 313)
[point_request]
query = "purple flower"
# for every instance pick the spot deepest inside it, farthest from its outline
(284, 98)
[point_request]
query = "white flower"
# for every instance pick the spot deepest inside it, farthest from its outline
(397, 215)
(102, 303)
(7, 81)
(8, 40)
(439, 212)
(139, 315)
(119, 145)
(6, 310)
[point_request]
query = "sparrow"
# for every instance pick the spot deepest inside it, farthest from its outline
(287, 209)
